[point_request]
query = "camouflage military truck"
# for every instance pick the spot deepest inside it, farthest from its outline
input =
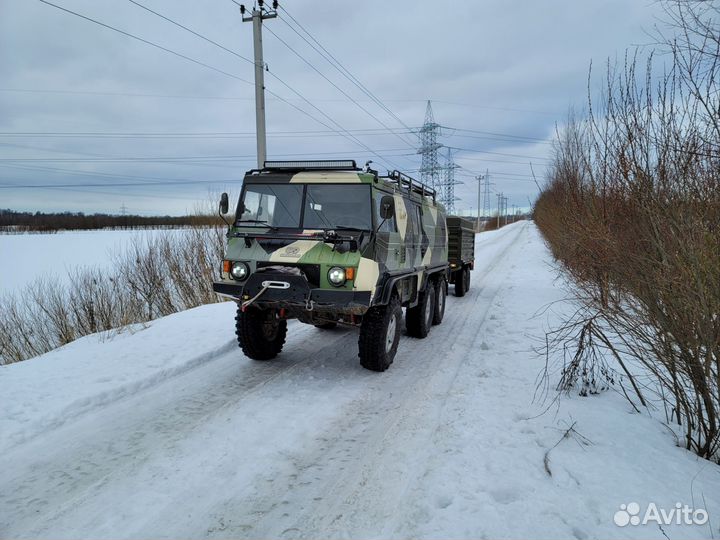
(327, 243)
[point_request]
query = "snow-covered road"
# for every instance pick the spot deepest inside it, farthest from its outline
(170, 432)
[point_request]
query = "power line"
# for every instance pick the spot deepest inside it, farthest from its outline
(119, 94)
(338, 65)
(490, 160)
(197, 34)
(123, 194)
(511, 174)
(95, 174)
(183, 159)
(147, 42)
(508, 139)
(472, 150)
(537, 139)
(193, 32)
(189, 135)
(104, 25)
(165, 96)
(333, 61)
(342, 131)
(348, 96)
(119, 184)
(230, 135)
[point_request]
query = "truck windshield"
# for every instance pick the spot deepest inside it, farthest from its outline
(277, 205)
(326, 206)
(337, 206)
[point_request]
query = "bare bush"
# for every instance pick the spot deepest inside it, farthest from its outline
(632, 210)
(158, 275)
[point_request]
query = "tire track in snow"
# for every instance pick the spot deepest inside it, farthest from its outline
(130, 440)
(359, 472)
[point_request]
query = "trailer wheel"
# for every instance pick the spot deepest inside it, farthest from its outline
(461, 282)
(440, 301)
(380, 336)
(467, 278)
(419, 319)
(261, 335)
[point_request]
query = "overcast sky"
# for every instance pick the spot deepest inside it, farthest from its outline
(504, 71)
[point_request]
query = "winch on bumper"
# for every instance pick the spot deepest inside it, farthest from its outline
(280, 289)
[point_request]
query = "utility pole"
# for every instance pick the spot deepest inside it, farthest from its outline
(514, 214)
(479, 180)
(500, 198)
(505, 201)
(257, 16)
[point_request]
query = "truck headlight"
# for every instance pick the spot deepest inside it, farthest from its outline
(240, 271)
(336, 276)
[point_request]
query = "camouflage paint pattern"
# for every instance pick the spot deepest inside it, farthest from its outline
(413, 240)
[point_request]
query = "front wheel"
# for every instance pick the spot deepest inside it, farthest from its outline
(380, 336)
(260, 333)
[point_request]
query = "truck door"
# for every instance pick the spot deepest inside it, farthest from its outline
(388, 241)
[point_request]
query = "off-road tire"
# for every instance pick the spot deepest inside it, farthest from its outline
(419, 319)
(260, 335)
(326, 325)
(461, 281)
(467, 278)
(375, 349)
(440, 301)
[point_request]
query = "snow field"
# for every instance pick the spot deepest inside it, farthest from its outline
(26, 257)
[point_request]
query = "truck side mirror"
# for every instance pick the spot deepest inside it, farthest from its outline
(224, 204)
(387, 207)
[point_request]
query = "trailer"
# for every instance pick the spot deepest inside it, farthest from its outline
(461, 252)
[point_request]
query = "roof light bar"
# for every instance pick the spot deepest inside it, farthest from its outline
(334, 165)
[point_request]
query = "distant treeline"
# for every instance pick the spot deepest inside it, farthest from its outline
(12, 221)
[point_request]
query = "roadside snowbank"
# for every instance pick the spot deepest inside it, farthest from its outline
(44, 392)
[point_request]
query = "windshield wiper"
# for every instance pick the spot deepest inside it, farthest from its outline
(261, 221)
(344, 228)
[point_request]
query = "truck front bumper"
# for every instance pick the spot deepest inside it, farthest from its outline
(296, 293)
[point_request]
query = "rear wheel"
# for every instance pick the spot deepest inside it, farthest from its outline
(440, 298)
(467, 278)
(380, 336)
(260, 333)
(419, 319)
(461, 281)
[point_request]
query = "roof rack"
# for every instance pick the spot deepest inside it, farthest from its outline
(412, 185)
(314, 165)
